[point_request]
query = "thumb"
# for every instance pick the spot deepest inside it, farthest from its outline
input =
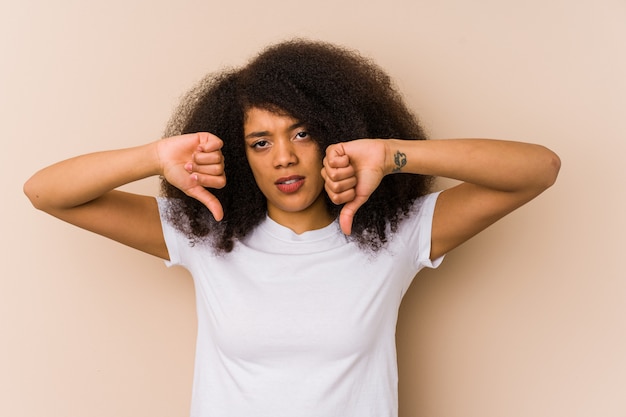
(215, 207)
(209, 200)
(346, 216)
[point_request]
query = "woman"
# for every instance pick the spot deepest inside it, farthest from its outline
(303, 216)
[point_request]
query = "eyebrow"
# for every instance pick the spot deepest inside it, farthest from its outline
(263, 133)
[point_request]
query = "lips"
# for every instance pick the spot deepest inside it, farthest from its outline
(290, 184)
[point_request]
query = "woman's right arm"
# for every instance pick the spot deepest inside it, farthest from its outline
(82, 190)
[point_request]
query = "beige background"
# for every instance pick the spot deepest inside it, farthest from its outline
(528, 319)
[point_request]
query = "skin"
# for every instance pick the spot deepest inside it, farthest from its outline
(82, 190)
(286, 165)
(496, 178)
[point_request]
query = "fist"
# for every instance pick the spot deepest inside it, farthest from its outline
(352, 171)
(192, 162)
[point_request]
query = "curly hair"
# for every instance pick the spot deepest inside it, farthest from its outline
(337, 93)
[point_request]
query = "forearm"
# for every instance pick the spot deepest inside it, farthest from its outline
(79, 180)
(499, 165)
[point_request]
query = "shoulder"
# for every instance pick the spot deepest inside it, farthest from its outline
(422, 210)
(414, 232)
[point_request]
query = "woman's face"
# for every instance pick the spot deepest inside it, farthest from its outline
(286, 164)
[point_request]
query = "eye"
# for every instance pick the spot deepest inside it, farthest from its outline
(302, 135)
(260, 144)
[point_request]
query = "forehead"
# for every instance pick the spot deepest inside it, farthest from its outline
(259, 118)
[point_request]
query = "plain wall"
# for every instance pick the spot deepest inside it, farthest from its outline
(527, 319)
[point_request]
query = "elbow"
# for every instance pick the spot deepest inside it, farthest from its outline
(31, 191)
(553, 168)
(550, 167)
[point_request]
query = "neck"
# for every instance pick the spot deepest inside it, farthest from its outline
(314, 217)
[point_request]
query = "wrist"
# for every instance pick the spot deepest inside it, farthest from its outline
(154, 159)
(140, 162)
(395, 158)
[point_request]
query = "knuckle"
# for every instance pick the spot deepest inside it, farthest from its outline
(334, 187)
(336, 199)
(220, 182)
(331, 174)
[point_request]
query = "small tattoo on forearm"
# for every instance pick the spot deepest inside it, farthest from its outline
(400, 160)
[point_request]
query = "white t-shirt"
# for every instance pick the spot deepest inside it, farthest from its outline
(300, 325)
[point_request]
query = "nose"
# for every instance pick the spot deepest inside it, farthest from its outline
(284, 154)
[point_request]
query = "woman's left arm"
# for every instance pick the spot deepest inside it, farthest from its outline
(497, 177)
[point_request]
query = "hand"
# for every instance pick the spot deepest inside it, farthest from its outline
(192, 162)
(352, 171)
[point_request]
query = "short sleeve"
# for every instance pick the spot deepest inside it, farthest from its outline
(170, 234)
(416, 231)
